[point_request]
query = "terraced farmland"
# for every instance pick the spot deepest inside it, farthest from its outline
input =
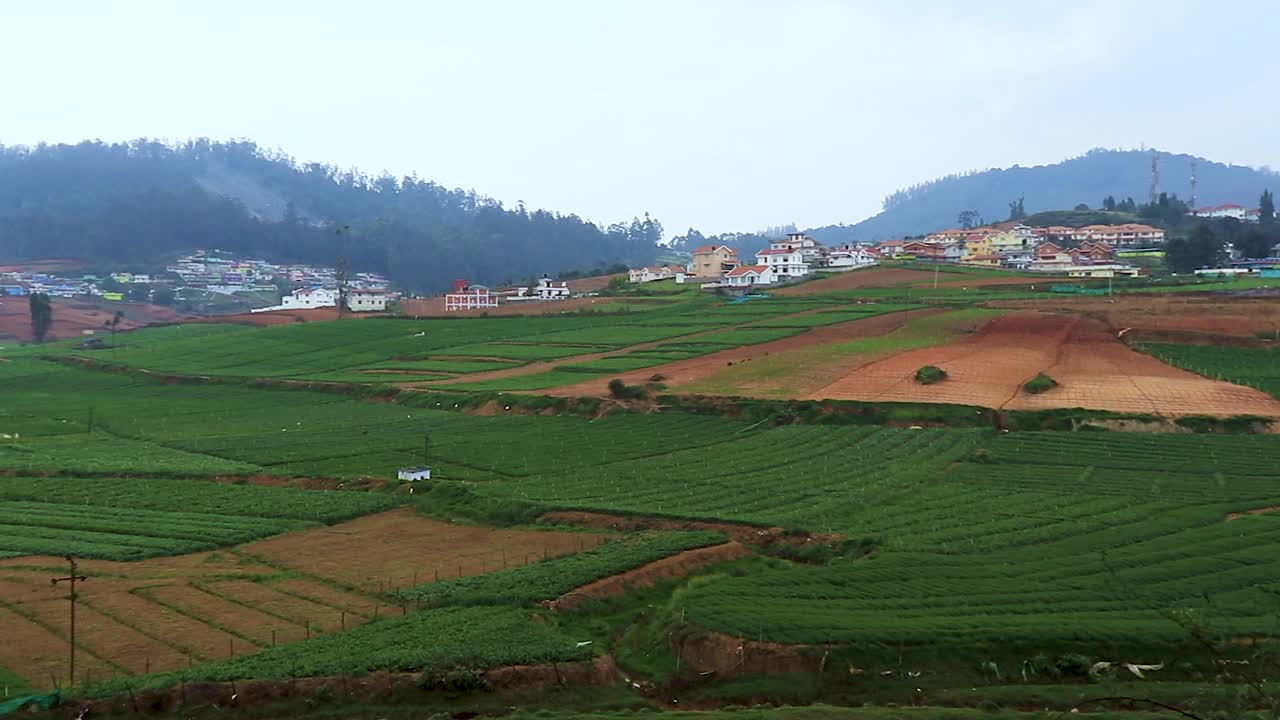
(1255, 367)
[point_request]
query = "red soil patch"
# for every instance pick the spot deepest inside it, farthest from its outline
(677, 565)
(854, 279)
(389, 550)
(595, 283)
(684, 372)
(1094, 369)
(727, 656)
(158, 613)
(1189, 312)
(79, 318)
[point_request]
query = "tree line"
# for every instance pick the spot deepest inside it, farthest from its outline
(132, 203)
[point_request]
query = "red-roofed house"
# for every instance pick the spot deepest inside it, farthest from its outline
(1229, 210)
(748, 275)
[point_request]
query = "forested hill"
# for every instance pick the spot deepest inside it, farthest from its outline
(1087, 179)
(136, 202)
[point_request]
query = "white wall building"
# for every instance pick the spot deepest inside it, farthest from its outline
(748, 275)
(366, 301)
(417, 472)
(473, 297)
(1229, 210)
(808, 247)
(309, 299)
(853, 258)
(786, 263)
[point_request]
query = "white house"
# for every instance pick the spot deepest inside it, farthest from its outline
(308, 299)
(366, 300)
(649, 274)
(748, 275)
(470, 297)
(808, 247)
(416, 472)
(1229, 210)
(851, 258)
(546, 289)
(786, 263)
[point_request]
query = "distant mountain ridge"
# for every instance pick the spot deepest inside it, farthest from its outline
(1089, 178)
(137, 202)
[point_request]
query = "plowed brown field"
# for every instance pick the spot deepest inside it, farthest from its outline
(1094, 369)
(78, 318)
(1201, 313)
(164, 613)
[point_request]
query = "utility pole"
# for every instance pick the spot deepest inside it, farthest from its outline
(72, 578)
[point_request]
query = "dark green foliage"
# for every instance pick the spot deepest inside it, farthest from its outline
(1039, 384)
(930, 374)
(622, 391)
(131, 202)
(41, 315)
(1202, 248)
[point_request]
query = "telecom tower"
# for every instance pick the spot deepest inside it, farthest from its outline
(1155, 174)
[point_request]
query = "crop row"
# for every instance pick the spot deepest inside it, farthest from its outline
(1255, 367)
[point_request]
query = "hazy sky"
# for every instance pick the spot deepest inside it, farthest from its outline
(717, 114)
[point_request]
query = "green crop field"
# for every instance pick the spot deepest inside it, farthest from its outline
(122, 519)
(1256, 367)
(980, 548)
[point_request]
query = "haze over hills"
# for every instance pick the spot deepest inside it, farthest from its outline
(130, 203)
(1086, 179)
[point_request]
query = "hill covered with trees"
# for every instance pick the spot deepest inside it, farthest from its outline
(135, 202)
(993, 195)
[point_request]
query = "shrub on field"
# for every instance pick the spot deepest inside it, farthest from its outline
(623, 391)
(930, 374)
(1039, 384)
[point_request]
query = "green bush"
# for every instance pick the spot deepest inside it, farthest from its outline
(1039, 384)
(930, 374)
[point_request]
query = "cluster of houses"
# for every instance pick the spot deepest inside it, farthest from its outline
(18, 284)
(469, 296)
(220, 272)
(792, 258)
(1089, 251)
(312, 298)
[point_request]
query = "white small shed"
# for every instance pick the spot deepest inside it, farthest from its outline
(419, 472)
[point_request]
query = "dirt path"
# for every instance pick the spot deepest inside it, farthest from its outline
(685, 372)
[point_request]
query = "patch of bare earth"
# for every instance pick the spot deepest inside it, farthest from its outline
(742, 533)
(1093, 368)
(984, 369)
(856, 279)
(685, 372)
(1187, 313)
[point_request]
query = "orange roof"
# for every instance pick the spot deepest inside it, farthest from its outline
(744, 269)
